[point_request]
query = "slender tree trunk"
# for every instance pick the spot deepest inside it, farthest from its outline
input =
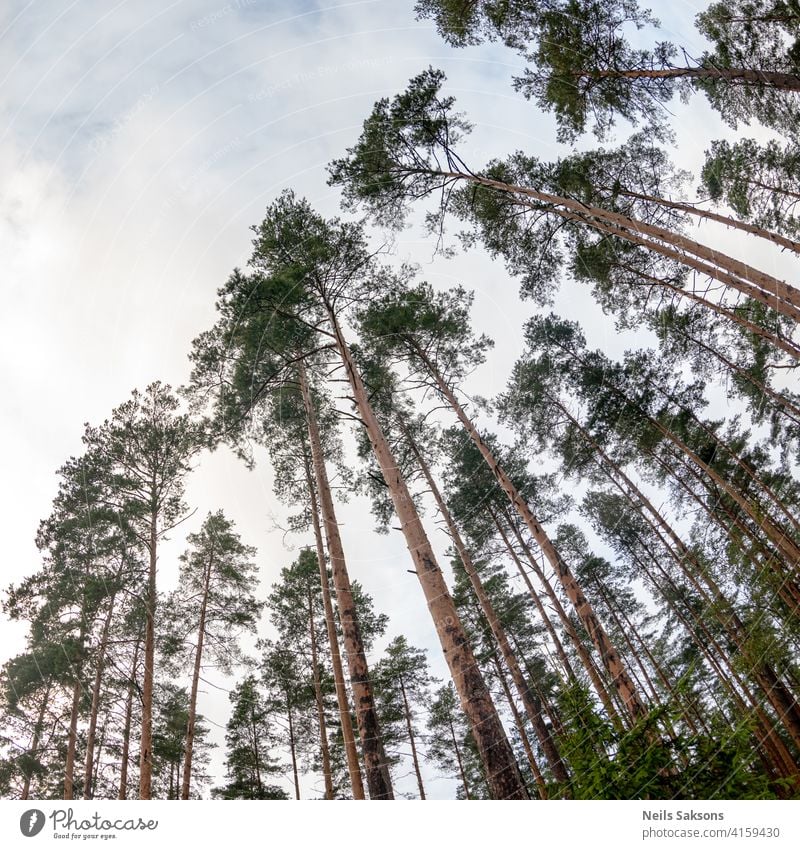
(577, 642)
(256, 753)
(351, 753)
(779, 342)
(98, 756)
(720, 443)
(292, 749)
(776, 535)
(503, 776)
(146, 755)
(376, 769)
(72, 738)
(692, 718)
(126, 734)
(716, 217)
(198, 662)
(785, 345)
(541, 784)
(461, 772)
(543, 614)
(608, 654)
(775, 690)
(735, 76)
(98, 680)
(550, 710)
(782, 190)
(730, 679)
(787, 408)
(706, 261)
(733, 273)
(722, 515)
(532, 705)
(410, 730)
(69, 769)
(323, 731)
(34, 748)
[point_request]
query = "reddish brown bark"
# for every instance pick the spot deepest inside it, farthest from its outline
(375, 767)
(608, 654)
(733, 273)
(502, 772)
(351, 753)
(735, 223)
(735, 76)
(532, 706)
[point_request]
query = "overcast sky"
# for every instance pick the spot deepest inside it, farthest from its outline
(138, 144)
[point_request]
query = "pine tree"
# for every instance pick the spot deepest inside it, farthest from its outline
(214, 605)
(249, 739)
(409, 150)
(402, 680)
(340, 263)
(582, 66)
(148, 446)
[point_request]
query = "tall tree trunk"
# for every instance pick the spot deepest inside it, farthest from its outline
(577, 642)
(410, 730)
(731, 314)
(256, 753)
(726, 672)
(503, 776)
(765, 558)
(98, 756)
(605, 648)
(351, 753)
(777, 536)
(782, 344)
(198, 662)
(34, 747)
(737, 275)
(532, 705)
(775, 690)
(323, 731)
(720, 443)
(786, 407)
(98, 680)
(292, 748)
(736, 76)
(716, 217)
(69, 769)
(376, 769)
(460, 763)
(126, 734)
(541, 784)
(72, 736)
(543, 614)
(146, 755)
